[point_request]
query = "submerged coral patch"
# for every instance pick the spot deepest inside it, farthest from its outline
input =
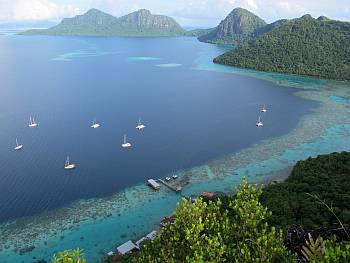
(84, 53)
(169, 65)
(143, 58)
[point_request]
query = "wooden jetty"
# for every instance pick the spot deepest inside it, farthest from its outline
(176, 189)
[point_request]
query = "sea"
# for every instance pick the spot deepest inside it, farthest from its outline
(200, 123)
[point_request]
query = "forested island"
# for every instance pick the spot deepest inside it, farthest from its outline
(304, 46)
(97, 23)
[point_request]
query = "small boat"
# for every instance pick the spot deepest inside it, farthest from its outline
(68, 165)
(18, 146)
(264, 109)
(125, 143)
(167, 179)
(32, 123)
(95, 125)
(140, 126)
(259, 123)
(174, 176)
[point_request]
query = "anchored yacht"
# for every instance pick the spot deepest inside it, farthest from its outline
(68, 165)
(18, 146)
(140, 126)
(125, 143)
(32, 123)
(259, 123)
(95, 125)
(264, 109)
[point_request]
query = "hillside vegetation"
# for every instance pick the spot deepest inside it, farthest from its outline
(304, 46)
(249, 226)
(238, 27)
(97, 23)
(328, 177)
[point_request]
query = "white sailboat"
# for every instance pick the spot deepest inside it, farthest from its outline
(18, 146)
(264, 109)
(140, 126)
(95, 125)
(68, 165)
(32, 123)
(125, 143)
(259, 123)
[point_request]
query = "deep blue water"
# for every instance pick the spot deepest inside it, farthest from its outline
(192, 116)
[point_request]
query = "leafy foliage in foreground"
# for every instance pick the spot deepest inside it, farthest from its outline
(69, 256)
(320, 251)
(291, 202)
(204, 232)
(305, 46)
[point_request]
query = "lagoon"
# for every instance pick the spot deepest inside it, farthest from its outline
(200, 123)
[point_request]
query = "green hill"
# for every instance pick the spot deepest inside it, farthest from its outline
(305, 46)
(238, 27)
(97, 23)
(328, 177)
(198, 32)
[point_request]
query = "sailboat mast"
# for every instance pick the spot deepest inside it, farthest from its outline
(124, 138)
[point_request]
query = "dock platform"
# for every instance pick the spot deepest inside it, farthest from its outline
(176, 189)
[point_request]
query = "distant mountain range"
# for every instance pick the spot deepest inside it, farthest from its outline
(304, 46)
(237, 28)
(97, 23)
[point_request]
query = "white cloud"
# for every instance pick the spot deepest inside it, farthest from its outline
(22, 10)
(185, 10)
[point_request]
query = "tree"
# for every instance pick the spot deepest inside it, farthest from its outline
(204, 232)
(69, 256)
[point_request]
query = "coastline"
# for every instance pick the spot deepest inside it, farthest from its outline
(318, 132)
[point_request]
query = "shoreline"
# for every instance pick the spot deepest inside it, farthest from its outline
(317, 132)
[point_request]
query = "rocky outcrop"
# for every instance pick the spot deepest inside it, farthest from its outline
(97, 23)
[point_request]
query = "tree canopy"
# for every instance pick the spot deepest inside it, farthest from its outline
(326, 176)
(204, 232)
(304, 46)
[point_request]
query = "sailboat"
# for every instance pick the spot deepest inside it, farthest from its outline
(68, 165)
(259, 123)
(125, 143)
(95, 125)
(18, 146)
(32, 123)
(140, 126)
(264, 109)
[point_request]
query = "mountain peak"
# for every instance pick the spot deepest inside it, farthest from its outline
(323, 18)
(307, 17)
(94, 11)
(238, 26)
(241, 11)
(144, 11)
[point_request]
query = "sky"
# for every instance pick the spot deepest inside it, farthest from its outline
(190, 13)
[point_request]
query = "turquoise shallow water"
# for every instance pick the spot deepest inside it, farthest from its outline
(97, 224)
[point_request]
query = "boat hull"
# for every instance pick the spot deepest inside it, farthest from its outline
(19, 147)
